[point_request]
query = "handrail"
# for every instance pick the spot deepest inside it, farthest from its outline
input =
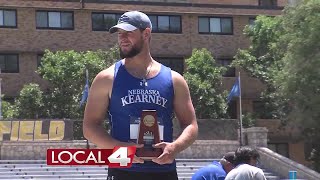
(282, 165)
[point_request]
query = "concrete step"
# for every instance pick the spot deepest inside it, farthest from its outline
(21, 169)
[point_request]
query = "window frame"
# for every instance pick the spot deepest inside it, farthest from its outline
(277, 147)
(217, 33)
(171, 32)
(250, 19)
(103, 13)
(273, 3)
(231, 71)
(16, 19)
(55, 28)
(232, 109)
(258, 107)
(5, 62)
(171, 63)
(39, 55)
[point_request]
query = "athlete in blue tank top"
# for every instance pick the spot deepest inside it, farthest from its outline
(136, 83)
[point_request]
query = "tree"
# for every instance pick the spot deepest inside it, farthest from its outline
(65, 72)
(30, 102)
(285, 56)
(8, 110)
(263, 60)
(204, 77)
(298, 80)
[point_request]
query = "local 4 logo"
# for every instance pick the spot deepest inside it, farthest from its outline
(118, 157)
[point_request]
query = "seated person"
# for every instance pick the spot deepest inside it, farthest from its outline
(216, 170)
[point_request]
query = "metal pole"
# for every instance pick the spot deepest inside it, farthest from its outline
(0, 97)
(240, 109)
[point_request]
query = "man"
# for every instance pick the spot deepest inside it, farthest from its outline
(216, 170)
(136, 83)
(246, 159)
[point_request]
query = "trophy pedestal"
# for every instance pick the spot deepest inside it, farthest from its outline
(148, 135)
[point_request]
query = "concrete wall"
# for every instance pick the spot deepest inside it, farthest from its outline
(282, 165)
(213, 129)
(13, 150)
(215, 137)
(36, 150)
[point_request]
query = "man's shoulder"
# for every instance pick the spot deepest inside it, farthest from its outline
(104, 78)
(107, 73)
(210, 171)
(249, 169)
(215, 166)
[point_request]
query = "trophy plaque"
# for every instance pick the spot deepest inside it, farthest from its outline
(148, 135)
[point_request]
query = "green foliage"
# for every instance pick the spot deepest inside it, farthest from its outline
(65, 72)
(298, 81)
(263, 56)
(8, 110)
(248, 120)
(30, 102)
(204, 77)
(285, 56)
(263, 59)
(299, 78)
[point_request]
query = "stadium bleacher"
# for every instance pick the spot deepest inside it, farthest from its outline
(38, 169)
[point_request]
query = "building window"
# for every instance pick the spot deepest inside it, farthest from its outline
(9, 99)
(251, 21)
(176, 64)
(308, 148)
(261, 110)
(54, 20)
(215, 25)
(231, 71)
(280, 148)
(9, 63)
(269, 3)
(39, 59)
(8, 18)
(165, 24)
(103, 21)
(232, 109)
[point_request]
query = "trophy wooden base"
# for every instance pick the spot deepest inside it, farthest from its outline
(148, 154)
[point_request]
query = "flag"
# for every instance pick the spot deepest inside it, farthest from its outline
(85, 92)
(235, 91)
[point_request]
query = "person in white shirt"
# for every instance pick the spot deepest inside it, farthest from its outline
(246, 160)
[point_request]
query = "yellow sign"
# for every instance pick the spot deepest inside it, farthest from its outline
(32, 130)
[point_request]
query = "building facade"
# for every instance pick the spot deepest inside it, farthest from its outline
(29, 27)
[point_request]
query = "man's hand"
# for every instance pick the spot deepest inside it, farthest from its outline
(168, 155)
(136, 159)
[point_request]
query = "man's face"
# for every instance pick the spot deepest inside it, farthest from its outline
(228, 167)
(253, 161)
(130, 43)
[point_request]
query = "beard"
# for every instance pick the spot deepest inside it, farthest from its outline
(135, 50)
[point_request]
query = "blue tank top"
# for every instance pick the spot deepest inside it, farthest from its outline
(129, 97)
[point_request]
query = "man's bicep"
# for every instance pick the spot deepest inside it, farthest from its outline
(260, 176)
(98, 101)
(183, 106)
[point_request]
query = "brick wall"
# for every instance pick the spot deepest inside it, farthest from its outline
(29, 41)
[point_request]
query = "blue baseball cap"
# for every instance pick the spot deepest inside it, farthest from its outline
(131, 21)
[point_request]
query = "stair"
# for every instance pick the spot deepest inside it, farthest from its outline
(37, 169)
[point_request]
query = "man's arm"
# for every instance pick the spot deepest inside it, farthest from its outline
(185, 114)
(260, 175)
(95, 111)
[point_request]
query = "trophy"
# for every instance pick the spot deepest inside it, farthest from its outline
(148, 135)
